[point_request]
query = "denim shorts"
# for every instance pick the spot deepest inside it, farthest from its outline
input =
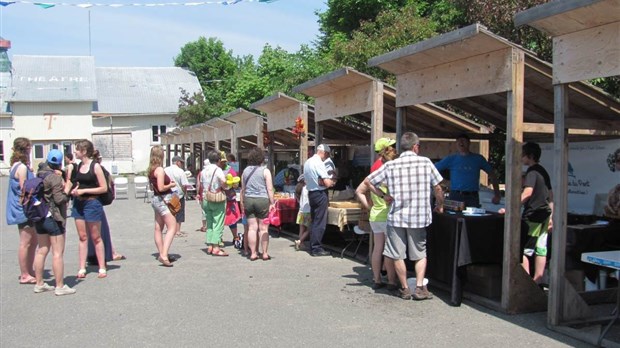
(89, 210)
(50, 226)
(26, 224)
(159, 205)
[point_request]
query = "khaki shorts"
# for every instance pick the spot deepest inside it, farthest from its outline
(256, 207)
(399, 239)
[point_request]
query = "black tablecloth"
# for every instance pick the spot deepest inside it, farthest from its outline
(589, 238)
(454, 241)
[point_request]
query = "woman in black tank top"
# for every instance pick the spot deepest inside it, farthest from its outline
(87, 209)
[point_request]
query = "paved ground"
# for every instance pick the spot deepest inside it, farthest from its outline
(292, 300)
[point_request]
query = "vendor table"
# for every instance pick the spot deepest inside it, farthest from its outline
(287, 210)
(589, 238)
(456, 240)
(342, 217)
(609, 259)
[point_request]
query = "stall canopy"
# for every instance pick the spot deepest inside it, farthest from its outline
(586, 45)
(248, 129)
(371, 105)
(223, 134)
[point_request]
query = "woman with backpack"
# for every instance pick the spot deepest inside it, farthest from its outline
(51, 229)
(87, 208)
(20, 172)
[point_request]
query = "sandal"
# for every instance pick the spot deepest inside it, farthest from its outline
(180, 234)
(81, 274)
(220, 253)
(118, 257)
(102, 273)
(266, 258)
(297, 245)
(164, 262)
(254, 258)
(29, 280)
(202, 229)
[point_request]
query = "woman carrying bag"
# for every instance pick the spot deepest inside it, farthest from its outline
(213, 181)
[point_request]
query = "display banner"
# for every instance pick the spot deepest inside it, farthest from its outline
(591, 174)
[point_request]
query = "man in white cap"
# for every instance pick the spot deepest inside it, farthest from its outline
(175, 172)
(318, 180)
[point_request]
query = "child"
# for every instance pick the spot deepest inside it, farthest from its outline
(303, 216)
(51, 230)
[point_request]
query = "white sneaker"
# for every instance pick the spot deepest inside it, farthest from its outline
(65, 290)
(43, 288)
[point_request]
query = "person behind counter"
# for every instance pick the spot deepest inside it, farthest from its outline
(464, 167)
(612, 209)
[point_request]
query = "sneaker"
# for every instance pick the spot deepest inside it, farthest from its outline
(322, 253)
(43, 288)
(65, 290)
(421, 293)
(297, 245)
(404, 293)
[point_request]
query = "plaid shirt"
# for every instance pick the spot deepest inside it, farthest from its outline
(409, 179)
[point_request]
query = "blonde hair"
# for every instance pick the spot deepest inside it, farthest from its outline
(21, 151)
(156, 159)
(388, 153)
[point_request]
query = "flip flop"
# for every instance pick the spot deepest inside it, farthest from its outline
(29, 280)
(118, 257)
(253, 258)
(220, 253)
(267, 258)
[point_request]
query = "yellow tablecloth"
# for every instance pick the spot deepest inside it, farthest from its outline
(341, 217)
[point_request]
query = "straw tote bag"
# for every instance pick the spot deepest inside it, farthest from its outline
(215, 197)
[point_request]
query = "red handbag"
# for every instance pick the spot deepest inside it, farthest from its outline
(273, 218)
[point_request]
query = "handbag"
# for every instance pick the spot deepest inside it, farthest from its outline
(174, 204)
(215, 197)
(273, 218)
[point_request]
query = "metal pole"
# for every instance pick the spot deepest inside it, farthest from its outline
(112, 136)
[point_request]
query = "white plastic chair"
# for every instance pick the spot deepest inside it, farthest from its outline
(141, 187)
(121, 187)
(360, 236)
(191, 191)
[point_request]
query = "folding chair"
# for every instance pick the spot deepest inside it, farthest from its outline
(359, 236)
(121, 187)
(191, 191)
(141, 187)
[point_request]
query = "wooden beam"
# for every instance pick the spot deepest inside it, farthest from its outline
(351, 101)
(303, 144)
(478, 75)
(587, 54)
(547, 128)
(560, 206)
(376, 119)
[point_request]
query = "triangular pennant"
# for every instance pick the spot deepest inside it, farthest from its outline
(44, 5)
(6, 3)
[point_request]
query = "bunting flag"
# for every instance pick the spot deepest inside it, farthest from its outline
(47, 5)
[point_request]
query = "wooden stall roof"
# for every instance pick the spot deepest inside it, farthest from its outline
(592, 111)
(275, 102)
(558, 18)
(240, 115)
(427, 120)
(219, 122)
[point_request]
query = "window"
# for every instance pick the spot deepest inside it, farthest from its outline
(157, 130)
(66, 148)
(1, 151)
(38, 151)
(54, 146)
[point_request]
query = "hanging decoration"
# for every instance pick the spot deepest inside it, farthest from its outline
(47, 5)
(298, 129)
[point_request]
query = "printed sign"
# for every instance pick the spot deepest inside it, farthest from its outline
(591, 173)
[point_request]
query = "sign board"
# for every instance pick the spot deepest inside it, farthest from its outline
(591, 174)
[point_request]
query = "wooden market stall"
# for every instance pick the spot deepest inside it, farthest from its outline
(586, 45)
(223, 134)
(484, 74)
(248, 130)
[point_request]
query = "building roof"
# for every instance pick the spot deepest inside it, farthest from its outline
(53, 79)
(143, 90)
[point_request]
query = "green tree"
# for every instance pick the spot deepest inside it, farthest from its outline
(193, 109)
(214, 67)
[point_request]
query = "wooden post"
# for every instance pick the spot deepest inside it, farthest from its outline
(376, 117)
(303, 144)
(400, 115)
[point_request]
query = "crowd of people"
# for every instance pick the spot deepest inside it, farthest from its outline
(397, 193)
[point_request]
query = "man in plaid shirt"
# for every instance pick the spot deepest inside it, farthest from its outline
(409, 179)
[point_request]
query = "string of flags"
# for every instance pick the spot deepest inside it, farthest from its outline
(47, 5)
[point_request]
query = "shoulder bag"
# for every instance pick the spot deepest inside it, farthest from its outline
(215, 197)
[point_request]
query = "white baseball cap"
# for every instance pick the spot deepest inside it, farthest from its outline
(324, 148)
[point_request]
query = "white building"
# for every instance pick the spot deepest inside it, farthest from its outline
(55, 100)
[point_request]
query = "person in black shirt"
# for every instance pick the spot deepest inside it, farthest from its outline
(537, 200)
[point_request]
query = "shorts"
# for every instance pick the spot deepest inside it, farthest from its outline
(399, 239)
(27, 224)
(378, 226)
(537, 238)
(256, 207)
(181, 214)
(89, 210)
(159, 206)
(50, 226)
(304, 219)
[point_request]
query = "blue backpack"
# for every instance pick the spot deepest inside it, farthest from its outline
(32, 199)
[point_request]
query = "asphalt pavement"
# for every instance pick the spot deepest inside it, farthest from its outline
(292, 300)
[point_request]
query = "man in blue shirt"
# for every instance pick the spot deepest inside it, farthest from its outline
(317, 182)
(464, 167)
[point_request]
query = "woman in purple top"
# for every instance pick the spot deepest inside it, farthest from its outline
(20, 172)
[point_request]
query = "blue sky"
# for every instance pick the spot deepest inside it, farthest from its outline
(147, 36)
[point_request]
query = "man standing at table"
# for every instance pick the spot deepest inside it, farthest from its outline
(175, 172)
(317, 182)
(409, 179)
(464, 167)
